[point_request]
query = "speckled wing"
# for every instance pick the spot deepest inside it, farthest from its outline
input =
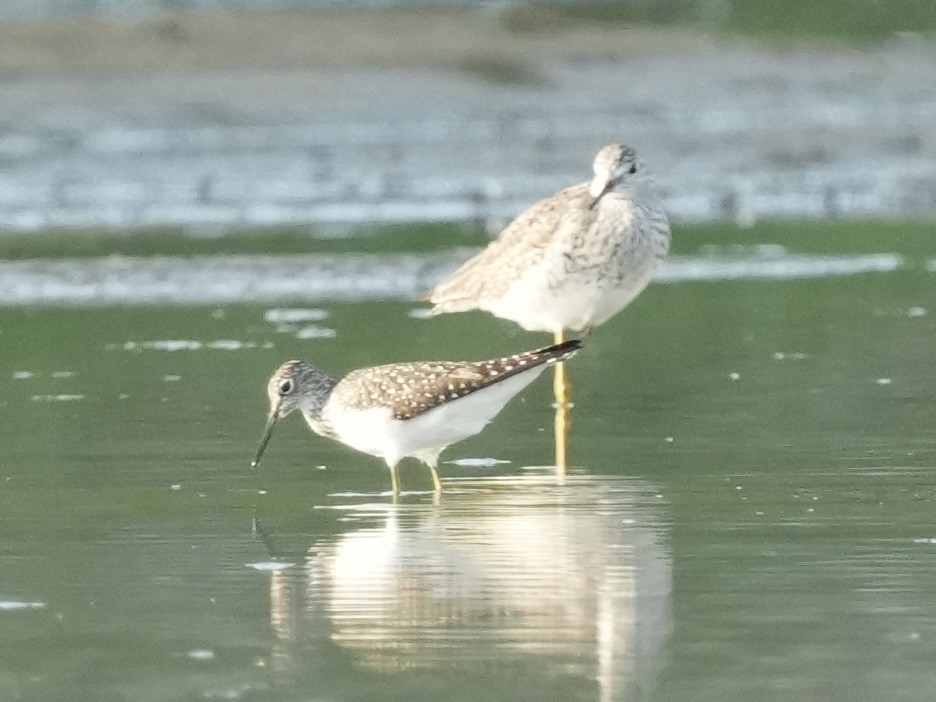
(410, 389)
(519, 247)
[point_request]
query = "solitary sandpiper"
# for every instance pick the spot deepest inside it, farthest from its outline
(405, 409)
(571, 261)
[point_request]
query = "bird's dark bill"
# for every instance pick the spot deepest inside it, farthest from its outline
(265, 439)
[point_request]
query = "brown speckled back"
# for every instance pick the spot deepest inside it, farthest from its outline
(411, 389)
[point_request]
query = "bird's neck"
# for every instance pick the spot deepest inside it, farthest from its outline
(641, 195)
(320, 387)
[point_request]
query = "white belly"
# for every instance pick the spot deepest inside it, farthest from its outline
(535, 306)
(376, 432)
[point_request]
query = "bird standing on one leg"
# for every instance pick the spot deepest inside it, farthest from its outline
(405, 409)
(569, 262)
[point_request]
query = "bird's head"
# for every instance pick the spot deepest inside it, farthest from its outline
(615, 166)
(294, 385)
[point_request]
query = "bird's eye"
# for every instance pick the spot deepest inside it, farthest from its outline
(633, 169)
(286, 387)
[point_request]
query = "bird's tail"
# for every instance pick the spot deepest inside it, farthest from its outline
(559, 352)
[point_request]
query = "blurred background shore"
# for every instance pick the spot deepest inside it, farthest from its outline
(123, 116)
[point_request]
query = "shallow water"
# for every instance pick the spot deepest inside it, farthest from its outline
(217, 279)
(750, 515)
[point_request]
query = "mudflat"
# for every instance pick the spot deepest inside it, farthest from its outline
(429, 114)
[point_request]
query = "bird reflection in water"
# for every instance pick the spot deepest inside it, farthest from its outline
(505, 579)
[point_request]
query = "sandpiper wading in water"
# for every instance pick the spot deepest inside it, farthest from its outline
(405, 409)
(569, 262)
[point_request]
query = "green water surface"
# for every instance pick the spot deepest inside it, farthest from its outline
(751, 515)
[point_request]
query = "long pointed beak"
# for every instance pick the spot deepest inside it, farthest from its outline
(267, 433)
(597, 188)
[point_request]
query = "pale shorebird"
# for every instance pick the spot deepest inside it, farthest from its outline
(405, 409)
(569, 262)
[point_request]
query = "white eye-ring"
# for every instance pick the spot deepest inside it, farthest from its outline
(286, 387)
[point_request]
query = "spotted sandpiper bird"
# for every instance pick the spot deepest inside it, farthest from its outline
(569, 262)
(405, 409)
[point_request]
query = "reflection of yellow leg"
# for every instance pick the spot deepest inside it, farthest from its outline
(561, 426)
(436, 483)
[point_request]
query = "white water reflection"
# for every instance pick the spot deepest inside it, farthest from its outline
(509, 574)
(774, 263)
(116, 280)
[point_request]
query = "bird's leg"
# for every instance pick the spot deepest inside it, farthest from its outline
(561, 392)
(561, 388)
(561, 427)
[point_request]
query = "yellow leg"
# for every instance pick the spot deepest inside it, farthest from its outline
(561, 432)
(560, 382)
(436, 483)
(394, 482)
(561, 393)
